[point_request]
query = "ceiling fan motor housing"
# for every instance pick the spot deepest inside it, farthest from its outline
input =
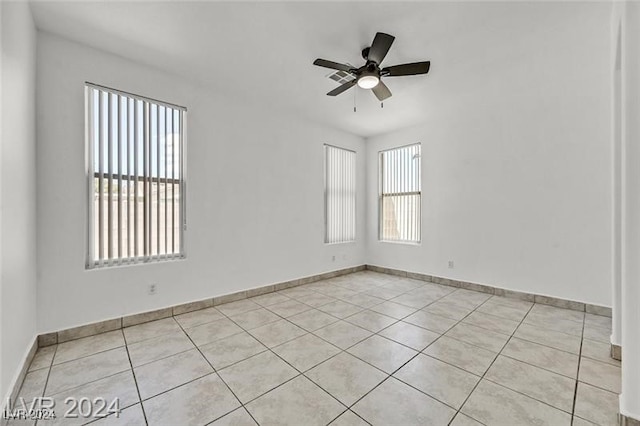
(371, 68)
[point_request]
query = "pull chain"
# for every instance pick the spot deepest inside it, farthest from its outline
(354, 99)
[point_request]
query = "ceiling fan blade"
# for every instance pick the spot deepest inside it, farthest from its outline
(381, 44)
(332, 65)
(406, 69)
(381, 91)
(342, 88)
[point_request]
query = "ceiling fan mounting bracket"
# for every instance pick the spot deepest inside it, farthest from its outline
(365, 53)
(372, 67)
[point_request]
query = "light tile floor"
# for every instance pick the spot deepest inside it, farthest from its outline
(363, 348)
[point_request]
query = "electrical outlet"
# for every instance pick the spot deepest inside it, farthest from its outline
(451, 264)
(153, 289)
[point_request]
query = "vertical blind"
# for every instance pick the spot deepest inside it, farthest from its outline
(135, 168)
(339, 194)
(400, 194)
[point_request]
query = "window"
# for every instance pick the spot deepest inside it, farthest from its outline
(136, 178)
(400, 194)
(339, 195)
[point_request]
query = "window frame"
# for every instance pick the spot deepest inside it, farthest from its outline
(326, 195)
(381, 195)
(90, 174)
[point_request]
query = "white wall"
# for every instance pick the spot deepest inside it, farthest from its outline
(517, 171)
(18, 188)
(254, 201)
(3, 369)
(630, 294)
(616, 190)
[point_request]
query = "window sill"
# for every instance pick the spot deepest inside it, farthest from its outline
(126, 264)
(404, 243)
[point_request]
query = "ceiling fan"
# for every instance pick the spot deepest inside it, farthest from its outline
(370, 74)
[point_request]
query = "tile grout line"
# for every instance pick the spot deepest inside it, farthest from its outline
(215, 371)
(266, 348)
(575, 393)
(534, 342)
(356, 343)
(492, 381)
(300, 373)
(525, 395)
(536, 366)
(397, 320)
(421, 352)
(490, 365)
(545, 345)
(443, 334)
(598, 387)
(280, 316)
(541, 368)
(46, 383)
(278, 356)
(341, 350)
(118, 347)
(86, 356)
(349, 408)
(90, 382)
(135, 380)
(347, 411)
(376, 333)
(189, 381)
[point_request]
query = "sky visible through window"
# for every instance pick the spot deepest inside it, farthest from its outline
(164, 122)
(401, 170)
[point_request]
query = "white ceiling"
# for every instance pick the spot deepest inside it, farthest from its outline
(263, 52)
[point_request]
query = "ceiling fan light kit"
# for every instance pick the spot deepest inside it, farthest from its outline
(368, 81)
(369, 76)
